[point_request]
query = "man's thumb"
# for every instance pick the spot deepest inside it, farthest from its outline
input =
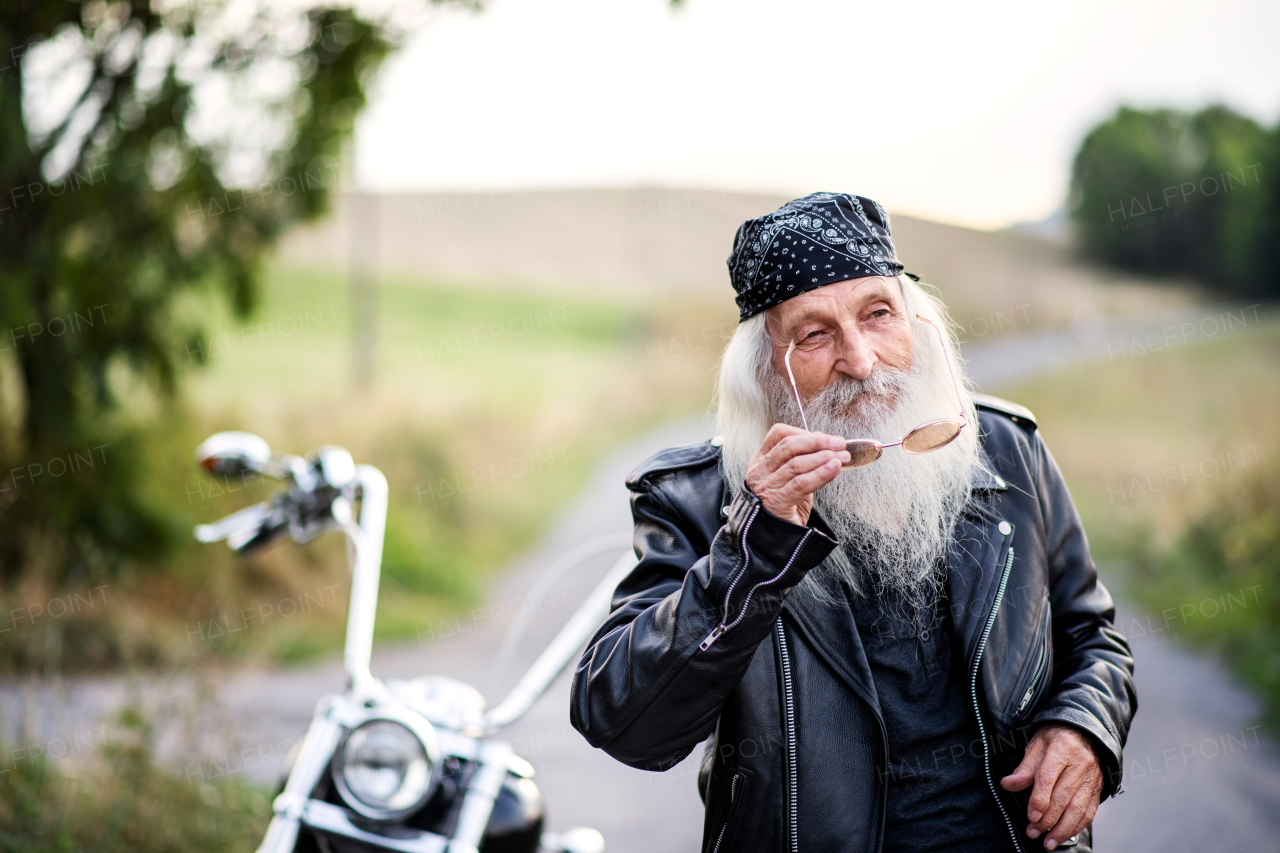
(1025, 772)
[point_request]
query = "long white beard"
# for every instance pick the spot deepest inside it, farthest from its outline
(895, 517)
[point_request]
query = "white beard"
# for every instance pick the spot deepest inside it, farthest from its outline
(895, 517)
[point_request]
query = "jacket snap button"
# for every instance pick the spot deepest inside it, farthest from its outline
(724, 510)
(717, 441)
(1005, 528)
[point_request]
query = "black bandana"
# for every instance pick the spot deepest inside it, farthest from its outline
(820, 239)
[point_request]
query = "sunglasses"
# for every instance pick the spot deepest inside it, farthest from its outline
(924, 438)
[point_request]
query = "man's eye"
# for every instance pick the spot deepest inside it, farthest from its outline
(880, 312)
(813, 339)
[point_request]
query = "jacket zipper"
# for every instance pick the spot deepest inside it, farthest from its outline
(742, 612)
(733, 791)
(746, 562)
(973, 692)
(1035, 678)
(789, 714)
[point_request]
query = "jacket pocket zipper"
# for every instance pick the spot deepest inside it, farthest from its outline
(733, 794)
(789, 722)
(1035, 676)
(973, 692)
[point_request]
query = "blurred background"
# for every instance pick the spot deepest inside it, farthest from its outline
(482, 246)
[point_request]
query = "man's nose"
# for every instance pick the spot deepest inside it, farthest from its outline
(855, 357)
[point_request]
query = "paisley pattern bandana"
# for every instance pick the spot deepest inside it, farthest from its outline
(820, 239)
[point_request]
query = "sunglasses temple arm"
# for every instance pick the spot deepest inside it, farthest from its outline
(955, 383)
(786, 359)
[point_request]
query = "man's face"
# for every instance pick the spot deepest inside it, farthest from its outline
(852, 328)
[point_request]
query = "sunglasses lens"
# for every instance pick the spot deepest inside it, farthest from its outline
(931, 436)
(862, 452)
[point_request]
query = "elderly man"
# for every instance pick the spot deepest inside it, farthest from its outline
(871, 591)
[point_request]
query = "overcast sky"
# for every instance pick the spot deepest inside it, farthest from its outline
(965, 113)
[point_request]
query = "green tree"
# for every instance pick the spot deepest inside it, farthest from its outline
(147, 152)
(1170, 193)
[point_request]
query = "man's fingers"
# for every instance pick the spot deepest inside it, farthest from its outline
(1042, 795)
(776, 433)
(1091, 811)
(780, 479)
(797, 465)
(1068, 783)
(1025, 772)
(798, 444)
(806, 484)
(1076, 816)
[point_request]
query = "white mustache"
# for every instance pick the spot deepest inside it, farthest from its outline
(858, 404)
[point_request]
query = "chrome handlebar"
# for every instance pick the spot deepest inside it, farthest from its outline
(319, 497)
(321, 490)
(236, 523)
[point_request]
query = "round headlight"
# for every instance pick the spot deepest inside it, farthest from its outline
(386, 769)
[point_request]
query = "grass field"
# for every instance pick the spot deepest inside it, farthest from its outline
(1173, 462)
(487, 410)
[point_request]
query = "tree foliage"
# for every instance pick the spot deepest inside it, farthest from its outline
(147, 151)
(1171, 193)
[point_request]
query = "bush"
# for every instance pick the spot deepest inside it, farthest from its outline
(1164, 192)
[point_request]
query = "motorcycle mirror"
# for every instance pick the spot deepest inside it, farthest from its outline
(335, 465)
(231, 453)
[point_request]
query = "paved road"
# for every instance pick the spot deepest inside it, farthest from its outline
(1199, 774)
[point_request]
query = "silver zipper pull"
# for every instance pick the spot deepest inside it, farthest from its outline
(712, 637)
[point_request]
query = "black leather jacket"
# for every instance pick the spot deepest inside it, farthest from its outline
(702, 640)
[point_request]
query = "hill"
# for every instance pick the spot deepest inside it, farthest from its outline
(630, 241)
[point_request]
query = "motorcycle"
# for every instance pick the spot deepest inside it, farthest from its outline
(410, 766)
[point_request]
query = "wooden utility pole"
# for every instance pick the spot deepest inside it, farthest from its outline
(363, 209)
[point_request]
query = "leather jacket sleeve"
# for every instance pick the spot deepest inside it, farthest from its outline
(1093, 688)
(686, 622)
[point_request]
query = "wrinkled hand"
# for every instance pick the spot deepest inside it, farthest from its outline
(1068, 783)
(790, 466)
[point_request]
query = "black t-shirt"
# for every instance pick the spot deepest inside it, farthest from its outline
(938, 797)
